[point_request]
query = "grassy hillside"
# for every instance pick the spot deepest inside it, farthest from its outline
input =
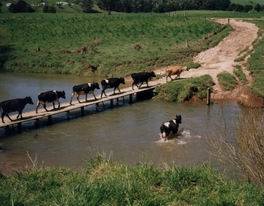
(105, 183)
(119, 43)
(247, 1)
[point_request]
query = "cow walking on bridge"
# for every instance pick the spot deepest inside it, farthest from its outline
(14, 105)
(111, 83)
(142, 77)
(50, 97)
(84, 89)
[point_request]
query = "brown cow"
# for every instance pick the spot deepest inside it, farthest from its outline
(174, 71)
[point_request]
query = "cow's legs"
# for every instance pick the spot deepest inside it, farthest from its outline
(53, 103)
(140, 85)
(78, 98)
(94, 96)
(147, 83)
(45, 107)
(114, 90)
(72, 98)
(119, 89)
(9, 117)
(103, 92)
(2, 116)
(86, 97)
(58, 104)
(19, 115)
(133, 85)
(37, 107)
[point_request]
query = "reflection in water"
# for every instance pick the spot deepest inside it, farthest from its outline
(128, 133)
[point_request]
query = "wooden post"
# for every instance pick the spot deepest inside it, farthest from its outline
(82, 111)
(228, 21)
(37, 123)
(49, 119)
(68, 115)
(7, 130)
(111, 103)
(208, 96)
(130, 98)
(96, 107)
(19, 127)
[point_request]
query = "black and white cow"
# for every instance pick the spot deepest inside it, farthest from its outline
(170, 127)
(84, 89)
(14, 105)
(50, 97)
(111, 83)
(142, 77)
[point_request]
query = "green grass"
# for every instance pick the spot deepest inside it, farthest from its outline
(192, 65)
(248, 2)
(256, 63)
(227, 81)
(183, 90)
(240, 75)
(110, 41)
(106, 183)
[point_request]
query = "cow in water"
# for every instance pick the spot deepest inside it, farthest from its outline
(111, 83)
(142, 77)
(84, 89)
(50, 97)
(170, 127)
(14, 105)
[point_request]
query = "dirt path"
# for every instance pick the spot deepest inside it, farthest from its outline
(222, 57)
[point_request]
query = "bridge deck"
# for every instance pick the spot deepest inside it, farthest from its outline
(66, 107)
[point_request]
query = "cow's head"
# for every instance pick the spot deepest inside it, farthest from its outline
(96, 86)
(122, 80)
(61, 94)
(152, 74)
(178, 119)
(29, 100)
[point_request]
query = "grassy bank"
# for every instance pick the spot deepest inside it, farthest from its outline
(105, 183)
(256, 64)
(227, 81)
(184, 90)
(118, 44)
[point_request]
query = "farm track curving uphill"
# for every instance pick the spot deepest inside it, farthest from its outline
(222, 57)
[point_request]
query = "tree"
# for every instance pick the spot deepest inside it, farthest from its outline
(20, 6)
(258, 8)
(87, 5)
(248, 8)
(107, 5)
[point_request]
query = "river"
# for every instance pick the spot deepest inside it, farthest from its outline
(129, 133)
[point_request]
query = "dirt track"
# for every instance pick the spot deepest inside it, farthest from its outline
(222, 57)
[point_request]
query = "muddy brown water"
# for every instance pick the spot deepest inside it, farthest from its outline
(128, 133)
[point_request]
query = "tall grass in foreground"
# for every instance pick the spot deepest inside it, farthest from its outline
(247, 152)
(107, 183)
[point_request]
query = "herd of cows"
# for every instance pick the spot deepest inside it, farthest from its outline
(18, 105)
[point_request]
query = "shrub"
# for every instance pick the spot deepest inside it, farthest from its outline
(227, 81)
(183, 90)
(49, 9)
(20, 6)
(240, 75)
